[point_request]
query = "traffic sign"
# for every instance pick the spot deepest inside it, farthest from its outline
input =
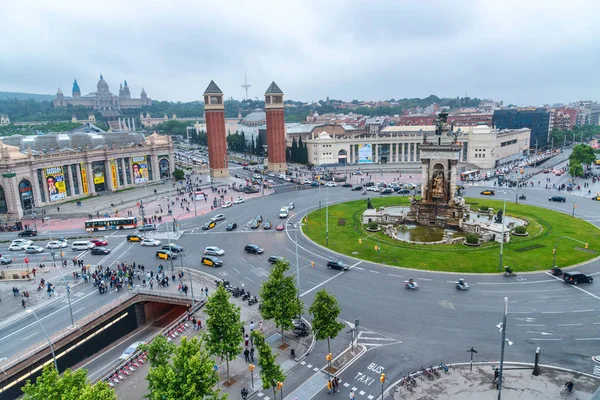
(26, 260)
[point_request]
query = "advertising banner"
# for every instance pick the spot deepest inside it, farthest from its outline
(365, 156)
(140, 169)
(98, 178)
(55, 179)
(84, 181)
(113, 172)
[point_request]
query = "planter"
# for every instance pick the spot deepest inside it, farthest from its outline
(472, 244)
(520, 234)
(374, 229)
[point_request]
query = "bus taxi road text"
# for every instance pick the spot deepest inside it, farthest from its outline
(366, 379)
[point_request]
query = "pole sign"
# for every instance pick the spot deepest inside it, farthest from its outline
(26, 260)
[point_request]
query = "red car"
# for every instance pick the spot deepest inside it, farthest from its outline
(99, 242)
(280, 227)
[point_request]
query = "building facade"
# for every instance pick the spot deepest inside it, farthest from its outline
(536, 119)
(37, 177)
(103, 100)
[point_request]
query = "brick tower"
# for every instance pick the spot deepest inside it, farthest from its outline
(214, 109)
(275, 129)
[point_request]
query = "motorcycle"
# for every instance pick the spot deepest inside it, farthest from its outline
(252, 300)
(238, 292)
(556, 271)
(364, 192)
(411, 285)
(522, 197)
(462, 285)
(299, 323)
(509, 272)
(246, 296)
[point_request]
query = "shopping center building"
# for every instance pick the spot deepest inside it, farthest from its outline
(330, 144)
(47, 170)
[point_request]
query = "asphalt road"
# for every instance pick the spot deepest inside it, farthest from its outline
(403, 329)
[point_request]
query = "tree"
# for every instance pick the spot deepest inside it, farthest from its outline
(259, 145)
(184, 372)
(179, 174)
(582, 154)
(159, 353)
(325, 310)
(575, 170)
(280, 301)
(72, 385)
(224, 328)
(270, 371)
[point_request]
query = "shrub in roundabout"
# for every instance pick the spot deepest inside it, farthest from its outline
(472, 239)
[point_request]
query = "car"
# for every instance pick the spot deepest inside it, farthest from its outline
(147, 227)
(403, 191)
(274, 259)
(250, 190)
(211, 261)
(280, 227)
(283, 212)
(576, 277)
(255, 224)
(387, 191)
(57, 244)
(560, 199)
(347, 184)
(358, 173)
(488, 192)
(381, 184)
(314, 183)
(226, 204)
(373, 189)
(100, 251)
(287, 179)
(174, 248)
(17, 245)
(34, 249)
(214, 251)
(357, 188)
(134, 238)
(597, 198)
(209, 225)
(267, 225)
(271, 181)
(331, 184)
(218, 217)
(5, 260)
(231, 227)
(166, 255)
(336, 264)
(369, 184)
(150, 242)
(99, 242)
(28, 233)
(130, 350)
(239, 200)
(291, 206)
(252, 248)
(306, 182)
(259, 218)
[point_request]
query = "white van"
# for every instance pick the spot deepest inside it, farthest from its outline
(82, 245)
(283, 213)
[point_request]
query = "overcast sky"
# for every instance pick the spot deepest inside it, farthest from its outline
(526, 52)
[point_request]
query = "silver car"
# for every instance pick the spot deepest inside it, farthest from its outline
(214, 251)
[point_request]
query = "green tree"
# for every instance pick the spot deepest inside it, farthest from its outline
(160, 351)
(582, 154)
(71, 385)
(280, 301)
(270, 371)
(575, 170)
(186, 373)
(224, 328)
(179, 174)
(325, 310)
(259, 145)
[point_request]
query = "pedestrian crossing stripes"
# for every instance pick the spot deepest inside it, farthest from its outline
(597, 370)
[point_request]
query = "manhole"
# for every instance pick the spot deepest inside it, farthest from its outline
(273, 338)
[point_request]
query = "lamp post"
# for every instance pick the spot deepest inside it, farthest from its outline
(169, 232)
(555, 250)
(502, 239)
(68, 290)
(326, 218)
(30, 311)
(190, 274)
(502, 327)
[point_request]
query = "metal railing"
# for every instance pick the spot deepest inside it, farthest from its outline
(43, 345)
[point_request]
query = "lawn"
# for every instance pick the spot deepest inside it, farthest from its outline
(530, 253)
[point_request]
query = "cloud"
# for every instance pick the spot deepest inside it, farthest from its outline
(519, 51)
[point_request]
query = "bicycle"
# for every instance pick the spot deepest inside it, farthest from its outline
(412, 380)
(434, 371)
(444, 367)
(427, 373)
(406, 383)
(565, 392)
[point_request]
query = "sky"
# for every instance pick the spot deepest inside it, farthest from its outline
(524, 52)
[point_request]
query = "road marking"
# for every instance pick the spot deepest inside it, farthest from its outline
(424, 279)
(524, 291)
(375, 272)
(399, 276)
(553, 312)
(81, 309)
(519, 312)
(27, 337)
(539, 333)
(570, 324)
(531, 325)
(359, 268)
(577, 287)
(594, 338)
(583, 311)
(249, 279)
(329, 280)
(538, 339)
(447, 304)
(235, 269)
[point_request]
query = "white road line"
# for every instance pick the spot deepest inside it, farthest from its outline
(399, 276)
(577, 287)
(235, 269)
(583, 311)
(359, 268)
(596, 323)
(249, 279)
(553, 312)
(570, 324)
(424, 279)
(530, 325)
(329, 280)
(538, 339)
(81, 309)
(592, 338)
(27, 337)
(524, 291)
(519, 312)
(375, 272)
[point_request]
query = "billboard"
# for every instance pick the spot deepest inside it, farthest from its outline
(113, 172)
(365, 156)
(140, 169)
(84, 177)
(55, 179)
(98, 178)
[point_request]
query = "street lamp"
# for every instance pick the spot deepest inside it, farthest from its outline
(555, 250)
(68, 290)
(326, 218)
(190, 274)
(30, 311)
(502, 239)
(169, 232)
(502, 327)
(297, 226)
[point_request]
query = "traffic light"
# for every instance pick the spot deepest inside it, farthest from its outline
(279, 385)
(251, 367)
(382, 378)
(329, 357)
(553, 251)
(586, 245)
(359, 241)
(312, 264)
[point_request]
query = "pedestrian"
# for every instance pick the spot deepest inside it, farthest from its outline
(261, 327)
(199, 323)
(352, 395)
(23, 304)
(252, 354)
(151, 284)
(329, 386)
(336, 384)
(246, 339)
(251, 326)
(206, 291)
(246, 352)
(194, 322)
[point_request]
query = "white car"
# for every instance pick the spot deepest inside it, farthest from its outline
(218, 217)
(57, 244)
(270, 181)
(331, 184)
(226, 204)
(20, 246)
(373, 189)
(287, 178)
(150, 242)
(239, 200)
(22, 241)
(214, 251)
(307, 181)
(130, 350)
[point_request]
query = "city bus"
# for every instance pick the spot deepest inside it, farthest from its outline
(106, 224)
(469, 175)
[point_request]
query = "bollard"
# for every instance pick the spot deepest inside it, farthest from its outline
(536, 367)
(293, 353)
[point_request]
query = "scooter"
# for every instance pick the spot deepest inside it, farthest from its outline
(462, 285)
(411, 285)
(252, 300)
(364, 192)
(556, 271)
(522, 197)
(508, 272)
(246, 296)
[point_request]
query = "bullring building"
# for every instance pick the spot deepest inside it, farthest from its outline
(38, 171)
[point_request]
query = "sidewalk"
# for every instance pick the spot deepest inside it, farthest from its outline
(135, 385)
(461, 384)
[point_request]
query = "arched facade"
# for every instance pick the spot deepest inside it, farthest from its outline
(3, 205)
(26, 194)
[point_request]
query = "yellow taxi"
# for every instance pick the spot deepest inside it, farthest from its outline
(488, 192)
(597, 198)
(211, 261)
(165, 255)
(134, 238)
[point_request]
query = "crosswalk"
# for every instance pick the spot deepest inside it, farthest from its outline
(597, 370)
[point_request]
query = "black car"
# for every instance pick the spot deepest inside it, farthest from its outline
(274, 259)
(259, 218)
(560, 199)
(576, 277)
(335, 264)
(369, 184)
(347, 184)
(267, 225)
(403, 191)
(356, 188)
(252, 248)
(231, 227)
(387, 191)
(100, 251)
(28, 233)
(250, 190)
(174, 248)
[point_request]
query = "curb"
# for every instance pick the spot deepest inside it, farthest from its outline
(312, 344)
(349, 363)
